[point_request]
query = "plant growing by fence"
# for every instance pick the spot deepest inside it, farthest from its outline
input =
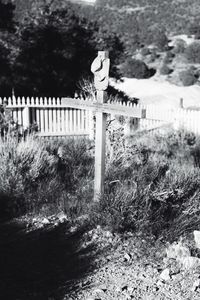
(152, 186)
(36, 174)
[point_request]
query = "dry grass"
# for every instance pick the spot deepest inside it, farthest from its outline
(38, 175)
(152, 183)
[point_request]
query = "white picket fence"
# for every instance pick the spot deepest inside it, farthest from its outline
(54, 119)
(50, 116)
(158, 117)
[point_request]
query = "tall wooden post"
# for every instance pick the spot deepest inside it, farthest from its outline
(100, 68)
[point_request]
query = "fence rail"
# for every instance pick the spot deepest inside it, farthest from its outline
(57, 117)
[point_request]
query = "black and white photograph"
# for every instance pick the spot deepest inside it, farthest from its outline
(99, 149)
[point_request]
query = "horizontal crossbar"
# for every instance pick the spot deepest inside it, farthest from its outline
(109, 108)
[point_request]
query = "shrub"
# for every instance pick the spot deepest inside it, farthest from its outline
(180, 46)
(192, 52)
(134, 68)
(168, 57)
(154, 55)
(165, 70)
(188, 77)
(152, 186)
(35, 174)
(145, 51)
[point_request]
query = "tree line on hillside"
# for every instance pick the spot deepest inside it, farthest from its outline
(49, 53)
(47, 47)
(134, 22)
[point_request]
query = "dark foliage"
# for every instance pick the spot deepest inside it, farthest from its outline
(56, 52)
(5, 71)
(6, 16)
(192, 52)
(188, 77)
(165, 70)
(134, 68)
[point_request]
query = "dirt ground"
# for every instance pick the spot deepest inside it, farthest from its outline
(50, 259)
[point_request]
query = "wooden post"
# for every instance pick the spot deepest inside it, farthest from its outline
(100, 68)
(100, 143)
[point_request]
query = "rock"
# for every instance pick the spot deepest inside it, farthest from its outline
(196, 285)
(45, 221)
(127, 257)
(103, 287)
(124, 287)
(159, 283)
(62, 217)
(165, 275)
(98, 291)
(189, 262)
(197, 238)
(177, 251)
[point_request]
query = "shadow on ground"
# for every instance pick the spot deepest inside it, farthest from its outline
(42, 264)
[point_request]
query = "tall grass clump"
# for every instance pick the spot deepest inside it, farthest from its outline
(37, 174)
(153, 186)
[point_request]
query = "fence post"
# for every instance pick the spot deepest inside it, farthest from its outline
(100, 68)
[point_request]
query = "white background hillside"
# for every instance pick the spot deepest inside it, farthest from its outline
(154, 91)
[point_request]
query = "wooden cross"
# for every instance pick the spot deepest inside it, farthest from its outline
(100, 69)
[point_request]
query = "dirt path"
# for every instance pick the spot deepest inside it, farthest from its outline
(54, 261)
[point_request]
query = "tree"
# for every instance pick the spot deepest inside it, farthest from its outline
(6, 16)
(134, 68)
(7, 27)
(5, 72)
(188, 77)
(56, 52)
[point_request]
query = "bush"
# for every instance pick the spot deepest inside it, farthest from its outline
(168, 57)
(180, 46)
(152, 186)
(154, 55)
(192, 52)
(145, 51)
(188, 77)
(134, 68)
(36, 174)
(165, 70)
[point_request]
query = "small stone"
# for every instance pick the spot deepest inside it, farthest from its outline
(62, 217)
(130, 290)
(103, 287)
(165, 275)
(197, 238)
(159, 283)
(45, 221)
(127, 257)
(118, 290)
(124, 287)
(98, 292)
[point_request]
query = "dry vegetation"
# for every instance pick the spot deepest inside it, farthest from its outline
(152, 184)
